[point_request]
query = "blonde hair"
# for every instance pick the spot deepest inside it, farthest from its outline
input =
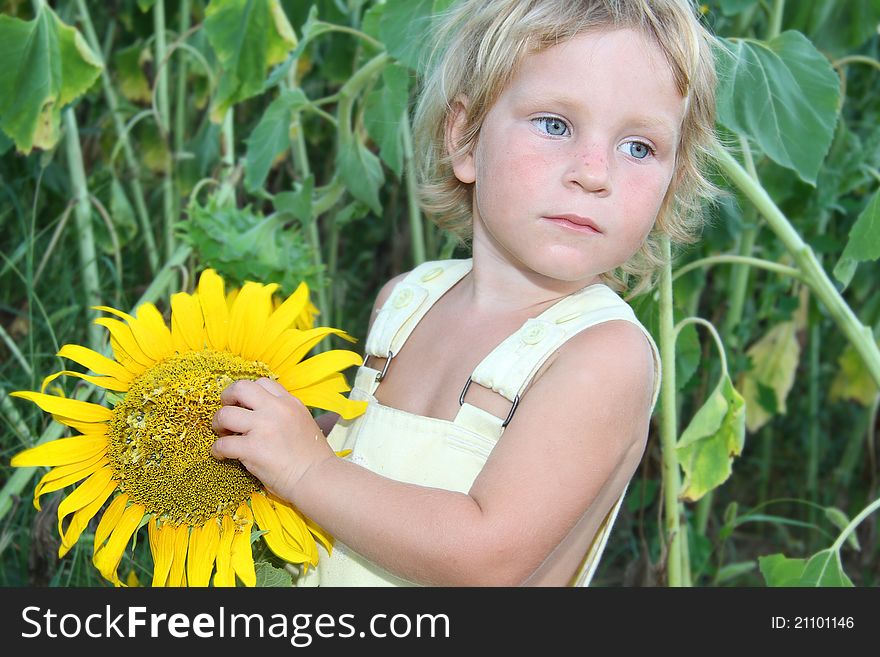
(478, 48)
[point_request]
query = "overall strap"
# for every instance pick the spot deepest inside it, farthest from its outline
(411, 298)
(509, 368)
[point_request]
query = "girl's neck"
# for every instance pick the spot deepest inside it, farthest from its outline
(497, 287)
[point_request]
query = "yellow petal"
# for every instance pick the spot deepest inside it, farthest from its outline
(106, 382)
(109, 520)
(86, 428)
(96, 362)
(72, 408)
(177, 575)
(162, 548)
(242, 553)
(65, 475)
(152, 336)
(63, 451)
(276, 540)
(319, 533)
(331, 401)
(285, 315)
(294, 344)
(203, 542)
(306, 319)
(84, 494)
(108, 557)
(187, 325)
(247, 319)
(80, 520)
(114, 311)
(318, 367)
(225, 576)
(214, 309)
(295, 530)
(125, 347)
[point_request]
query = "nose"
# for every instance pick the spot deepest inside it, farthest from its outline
(590, 170)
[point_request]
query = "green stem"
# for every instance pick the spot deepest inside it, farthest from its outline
(162, 103)
(180, 93)
(813, 437)
(775, 24)
(738, 260)
(83, 216)
(861, 336)
(122, 135)
(676, 530)
(737, 288)
(856, 59)
(350, 90)
(226, 193)
(416, 225)
(850, 528)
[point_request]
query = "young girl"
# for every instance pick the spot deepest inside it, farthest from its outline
(509, 394)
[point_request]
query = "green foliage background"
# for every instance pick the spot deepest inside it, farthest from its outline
(141, 141)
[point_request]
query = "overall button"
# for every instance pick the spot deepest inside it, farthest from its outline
(533, 334)
(431, 275)
(403, 298)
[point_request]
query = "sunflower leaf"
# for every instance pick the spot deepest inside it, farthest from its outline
(46, 65)
(248, 37)
(268, 576)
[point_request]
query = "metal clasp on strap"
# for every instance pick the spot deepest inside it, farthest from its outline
(512, 408)
(381, 375)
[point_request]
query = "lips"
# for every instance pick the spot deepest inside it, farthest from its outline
(575, 222)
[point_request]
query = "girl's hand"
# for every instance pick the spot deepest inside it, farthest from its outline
(271, 432)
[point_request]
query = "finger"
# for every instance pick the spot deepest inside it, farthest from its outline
(272, 387)
(244, 393)
(232, 419)
(230, 447)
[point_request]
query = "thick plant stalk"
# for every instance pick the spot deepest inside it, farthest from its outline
(128, 152)
(416, 225)
(20, 477)
(162, 103)
(180, 93)
(861, 336)
(677, 569)
(83, 216)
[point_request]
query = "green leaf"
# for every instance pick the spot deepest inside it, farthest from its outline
(733, 570)
(852, 379)
(145, 5)
(779, 570)
(248, 37)
(783, 94)
(774, 362)
(715, 435)
(271, 137)
(864, 241)
(824, 569)
(123, 217)
(405, 28)
(297, 203)
(270, 576)
(841, 521)
(361, 171)
(46, 65)
(128, 64)
(384, 110)
(244, 245)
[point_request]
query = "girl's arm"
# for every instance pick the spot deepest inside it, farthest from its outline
(572, 446)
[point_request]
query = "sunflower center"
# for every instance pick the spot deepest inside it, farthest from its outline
(160, 438)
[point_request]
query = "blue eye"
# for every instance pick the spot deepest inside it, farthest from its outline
(552, 125)
(638, 149)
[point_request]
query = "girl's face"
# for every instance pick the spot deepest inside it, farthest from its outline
(575, 157)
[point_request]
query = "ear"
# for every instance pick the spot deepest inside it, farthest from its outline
(462, 165)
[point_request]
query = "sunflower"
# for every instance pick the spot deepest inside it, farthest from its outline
(149, 455)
